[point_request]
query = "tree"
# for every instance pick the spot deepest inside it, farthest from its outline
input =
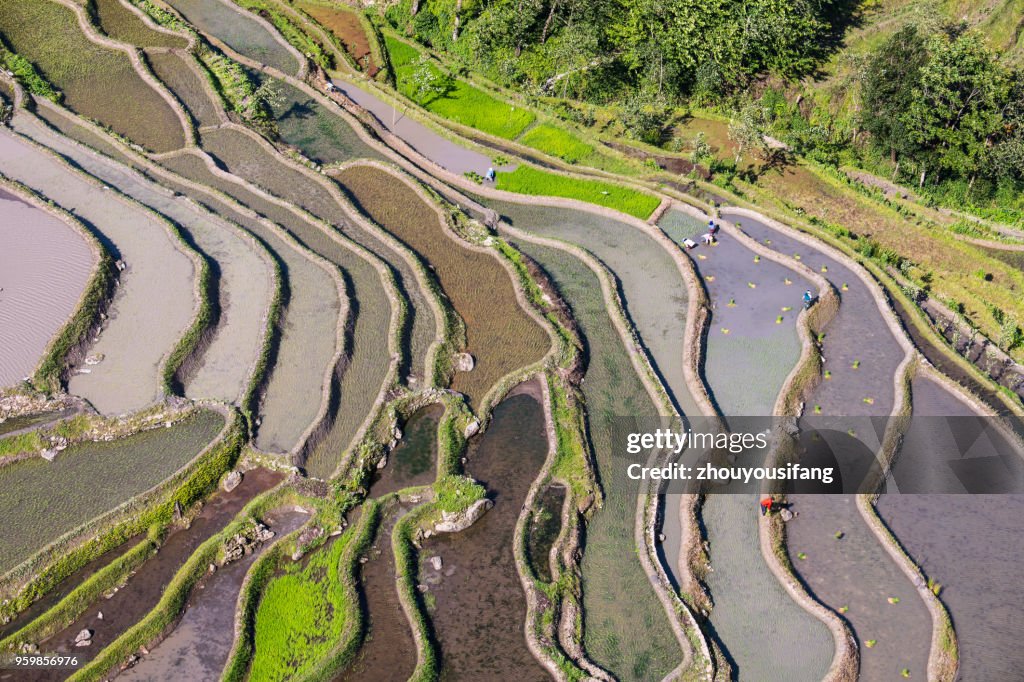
(888, 87)
(747, 129)
(956, 108)
(701, 149)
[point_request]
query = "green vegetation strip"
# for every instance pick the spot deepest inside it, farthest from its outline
(529, 180)
(175, 595)
(556, 142)
(438, 92)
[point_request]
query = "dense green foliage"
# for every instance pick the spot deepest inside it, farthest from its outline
(422, 81)
(593, 48)
(944, 103)
(529, 180)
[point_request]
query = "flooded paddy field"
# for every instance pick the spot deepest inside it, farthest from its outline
(121, 23)
(157, 270)
(90, 76)
(179, 76)
(142, 591)
(291, 398)
(44, 268)
(625, 628)
(500, 335)
(67, 585)
(544, 528)
(968, 544)
(199, 645)
(241, 268)
(652, 288)
(861, 357)
(92, 478)
(343, 23)
(478, 605)
(318, 132)
(752, 335)
(388, 653)
(367, 351)
(239, 30)
(413, 462)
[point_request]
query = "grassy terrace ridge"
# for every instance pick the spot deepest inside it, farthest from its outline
(438, 92)
(88, 75)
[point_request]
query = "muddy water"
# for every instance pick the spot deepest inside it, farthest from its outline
(480, 607)
(970, 544)
(199, 646)
(44, 267)
(143, 590)
(858, 335)
(544, 529)
(413, 461)
(388, 653)
(66, 586)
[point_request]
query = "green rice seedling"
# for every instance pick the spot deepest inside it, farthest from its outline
(856, 364)
(556, 142)
(757, 258)
(870, 643)
(778, 320)
(844, 609)
(893, 600)
(839, 535)
(529, 180)
(905, 672)
(828, 374)
(801, 555)
(817, 409)
(425, 83)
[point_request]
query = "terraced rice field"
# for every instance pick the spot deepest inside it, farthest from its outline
(127, 378)
(969, 545)
(544, 528)
(46, 266)
(861, 357)
(625, 629)
(108, 617)
(179, 75)
(318, 132)
(752, 334)
(500, 336)
(368, 359)
(89, 76)
(94, 478)
(242, 269)
(653, 290)
(479, 606)
(292, 394)
(239, 30)
(343, 23)
(198, 646)
(119, 22)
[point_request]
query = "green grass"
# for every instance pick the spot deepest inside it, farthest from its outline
(528, 180)
(460, 102)
(556, 142)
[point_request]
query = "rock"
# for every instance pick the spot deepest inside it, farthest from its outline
(436, 562)
(84, 642)
(143, 650)
(231, 481)
(464, 362)
(472, 428)
(661, 537)
(49, 454)
(786, 515)
(383, 462)
(99, 616)
(94, 359)
(454, 523)
(83, 635)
